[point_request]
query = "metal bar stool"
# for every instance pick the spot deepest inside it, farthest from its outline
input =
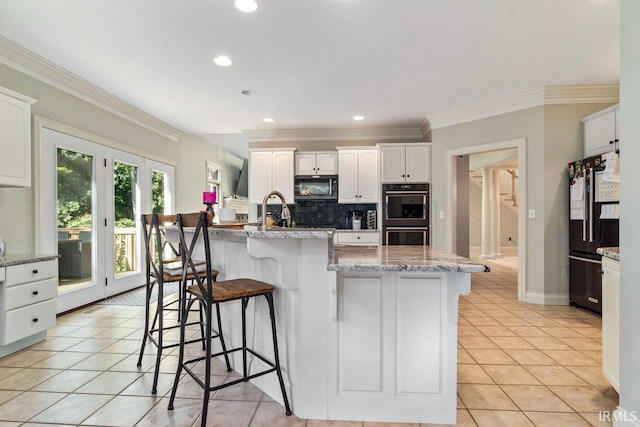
(211, 293)
(158, 272)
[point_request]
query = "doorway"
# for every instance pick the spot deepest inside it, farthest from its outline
(457, 223)
(90, 200)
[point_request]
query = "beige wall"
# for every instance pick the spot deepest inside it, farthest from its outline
(630, 207)
(17, 205)
(554, 138)
(194, 152)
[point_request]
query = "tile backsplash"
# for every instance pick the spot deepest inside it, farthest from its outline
(322, 213)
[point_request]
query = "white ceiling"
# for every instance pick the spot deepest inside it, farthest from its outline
(317, 63)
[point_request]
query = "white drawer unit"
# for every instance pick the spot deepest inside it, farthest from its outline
(27, 299)
(31, 272)
(23, 322)
(368, 238)
(30, 293)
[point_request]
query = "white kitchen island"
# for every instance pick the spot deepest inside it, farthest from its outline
(365, 333)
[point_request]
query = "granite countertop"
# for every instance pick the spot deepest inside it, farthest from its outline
(363, 230)
(256, 232)
(400, 258)
(16, 259)
(613, 253)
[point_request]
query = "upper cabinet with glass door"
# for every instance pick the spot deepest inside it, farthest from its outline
(15, 139)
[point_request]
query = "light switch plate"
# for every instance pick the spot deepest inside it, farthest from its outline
(532, 213)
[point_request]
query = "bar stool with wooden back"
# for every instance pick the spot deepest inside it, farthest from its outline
(160, 271)
(211, 293)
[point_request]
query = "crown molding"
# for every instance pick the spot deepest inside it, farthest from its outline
(548, 95)
(27, 62)
(333, 135)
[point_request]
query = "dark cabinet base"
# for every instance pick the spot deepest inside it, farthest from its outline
(585, 282)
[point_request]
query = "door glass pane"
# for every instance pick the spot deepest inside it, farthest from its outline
(159, 185)
(75, 218)
(125, 188)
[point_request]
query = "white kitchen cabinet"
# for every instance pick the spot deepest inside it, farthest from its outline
(357, 238)
(316, 163)
(28, 300)
(392, 346)
(271, 169)
(358, 175)
(600, 132)
(15, 139)
(611, 321)
(405, 162)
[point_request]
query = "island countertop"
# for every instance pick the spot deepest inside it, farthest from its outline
(256, 232)
(400, 258)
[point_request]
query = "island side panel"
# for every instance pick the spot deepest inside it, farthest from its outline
(298, 269)
(302, 306)
(393, 348)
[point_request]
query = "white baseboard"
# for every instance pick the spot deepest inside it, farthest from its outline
(624, 418)
(547, 299)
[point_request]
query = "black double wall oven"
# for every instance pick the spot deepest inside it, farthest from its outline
(405, 214)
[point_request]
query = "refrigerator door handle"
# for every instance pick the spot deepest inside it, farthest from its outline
(584, 212)
(591, 191)
(577, 258)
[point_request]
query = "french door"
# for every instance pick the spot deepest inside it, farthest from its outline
(91, 199)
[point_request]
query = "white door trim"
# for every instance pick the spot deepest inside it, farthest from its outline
(45, 241)
(521, 145)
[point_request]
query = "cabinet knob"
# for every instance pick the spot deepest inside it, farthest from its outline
(610, 142)
(35, 271)
(403, 175)
(35, 292)
(35, 320)
(358, 237)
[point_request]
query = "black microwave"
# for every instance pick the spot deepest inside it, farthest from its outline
(308, 187)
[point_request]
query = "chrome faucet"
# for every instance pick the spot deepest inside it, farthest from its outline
(286, 213)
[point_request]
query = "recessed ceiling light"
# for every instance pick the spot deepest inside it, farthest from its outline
(358, 117)
(268, 120)
(247, 92)
(246, 5)
(222, 60)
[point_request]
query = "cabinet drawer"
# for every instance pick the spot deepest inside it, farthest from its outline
(31, 272)
(30, 293)
(355, 238)
(27, 321)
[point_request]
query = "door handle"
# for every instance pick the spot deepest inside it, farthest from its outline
(591, 186)
(592, 261)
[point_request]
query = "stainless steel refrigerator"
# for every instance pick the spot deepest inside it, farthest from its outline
(593, 223)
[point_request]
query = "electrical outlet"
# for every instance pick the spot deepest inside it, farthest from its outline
(532, 213)
(441, 214)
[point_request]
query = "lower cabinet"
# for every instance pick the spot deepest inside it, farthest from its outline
(28, 300)
(392, 347)
(357, 238)
(611, 321)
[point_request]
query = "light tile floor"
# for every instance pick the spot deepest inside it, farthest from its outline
(518, 365)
